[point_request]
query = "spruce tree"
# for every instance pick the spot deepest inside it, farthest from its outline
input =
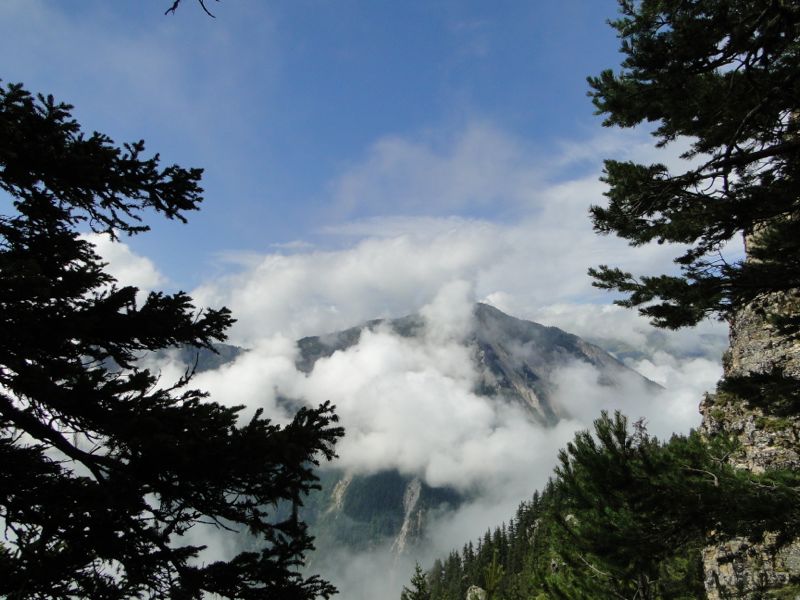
(103, 467)
(631, 513)
(493, 576)
(420, 589)
(724, 75)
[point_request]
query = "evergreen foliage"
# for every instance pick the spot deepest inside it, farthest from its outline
(632, 512)
(494, 572)
(724, 74)
(625, 516)
(501, 562)
(419, 586)
(104, 468)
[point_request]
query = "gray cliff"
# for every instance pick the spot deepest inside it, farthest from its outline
(767, 567)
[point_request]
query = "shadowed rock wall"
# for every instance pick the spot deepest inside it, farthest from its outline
(738, 567)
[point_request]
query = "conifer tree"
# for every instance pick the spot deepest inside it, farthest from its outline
(631, 512)
(104, 468)
(724, 75)
(420, 589)
(493, 577)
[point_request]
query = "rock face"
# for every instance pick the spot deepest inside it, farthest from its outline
(476, 593)
(737, 567)
(363, 512)
(516, 357)
(516, 360)
(413, 519)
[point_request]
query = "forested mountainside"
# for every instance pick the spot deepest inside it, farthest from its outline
(627, 516)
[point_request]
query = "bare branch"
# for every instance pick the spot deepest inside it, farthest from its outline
(35, 428)
(202, 4)
(703, 471)
(172, 8)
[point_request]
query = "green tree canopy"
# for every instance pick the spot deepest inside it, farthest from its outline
(420, 590)
(724, 74)
(632, 513)
(103, 468)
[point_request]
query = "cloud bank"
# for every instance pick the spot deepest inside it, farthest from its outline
(409, 404)
(124, 265)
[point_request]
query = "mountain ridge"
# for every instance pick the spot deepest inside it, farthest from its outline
(389, 511)
(517, 356)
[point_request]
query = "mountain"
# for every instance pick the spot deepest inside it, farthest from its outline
(516, 358)
(516, 361)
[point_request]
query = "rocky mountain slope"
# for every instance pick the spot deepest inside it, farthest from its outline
(768, 433)
(516, 360)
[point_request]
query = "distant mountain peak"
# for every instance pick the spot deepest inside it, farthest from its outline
(516, 358)
(517, 362)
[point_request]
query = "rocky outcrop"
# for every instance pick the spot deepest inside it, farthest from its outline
(757, 346)
(738, 567)
(338, 494)
(413, 518)
(476, 593)
(766, 441)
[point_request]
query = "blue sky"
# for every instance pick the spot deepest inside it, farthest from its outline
(276, 100)
(359, 155)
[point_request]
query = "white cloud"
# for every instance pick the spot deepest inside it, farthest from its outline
(255, 379)
(124, 265)
(671, 410)
(408, 404)
(393, 263)
(313, 293)
(294, 245)
(480, 166)
(537, 261)
(365, 575)
(614, 324)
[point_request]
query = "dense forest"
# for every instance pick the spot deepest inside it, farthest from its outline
(624, 516)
